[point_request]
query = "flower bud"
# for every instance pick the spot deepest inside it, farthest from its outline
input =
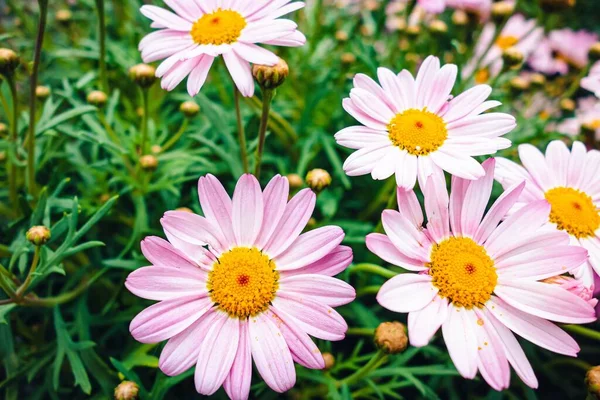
(329, 361)
(588, 130)
(3, 129)
(126, 390)
(185, 209)
(537, 80)
(502, 10)
(155, 149)
(341, 36)
(518, 84)
(413, 30)
(391, 337)
(143, 74)
(512, 57)
(189, 108)
(312, 222)
(97, 98)
(271, 77)
(104, 197)
(9, 61)
(460, 18)
(38, 235)
(557, 5)
(295, 181)
(371, 5)
(2, 156)
(63, 16)
(42, 92)
(438, 27)
(318, 179)
(348, 58)
(574, 286)
(567, 105)
(594, 52)
(592, 380)
(149, 162)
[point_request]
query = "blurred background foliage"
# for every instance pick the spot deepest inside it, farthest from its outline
(68, 336)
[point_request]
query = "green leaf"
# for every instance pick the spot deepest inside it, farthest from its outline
(4, 310)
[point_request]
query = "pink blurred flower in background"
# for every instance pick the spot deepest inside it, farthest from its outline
(561, 50)
(592, 81)
(587, 114)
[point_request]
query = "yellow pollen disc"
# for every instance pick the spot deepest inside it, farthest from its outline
(419, 132)
(482, 76)
(595, 124)
(463, 272)
(573, 211)
(219, 27)
(243, 282)
(504, 42)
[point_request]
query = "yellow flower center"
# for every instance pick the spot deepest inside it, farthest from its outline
(482, 76)
(419, 132)
(219, 27)
(595, 124)
(243, 282)
(573, 211)
(504, 42)
(463, 272)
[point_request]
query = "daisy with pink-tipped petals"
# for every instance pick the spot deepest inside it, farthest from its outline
(569, 183)
(196, 32)
(242, 284)
(478, 278)
(562, 50)
(412, 127)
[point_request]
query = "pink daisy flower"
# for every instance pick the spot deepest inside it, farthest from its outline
(199, 31)
(575, 286)
(412, 127)
(592, 81)
(518, 32)
(562, 48)
(479, 279)
(568, 183)
(240, 284)
(587, 114)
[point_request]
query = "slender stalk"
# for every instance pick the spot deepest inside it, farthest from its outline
(374, 363)
(583, 331)
(12, 174)
(34, 264)
(240, 125)
(360, 332)
(262, 131)
(102, 45)
(64, 297)
(176, 137)
(8, 290)
(145, 101)
(374, 289)
(43, 5)
(374, 269)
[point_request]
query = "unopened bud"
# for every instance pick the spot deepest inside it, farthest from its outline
(348, 58)
(537, 80)
(155, 149)
(97, 98)
(592, 380)
(413, 30)
(588, 129)
(295, 181)
(143, 74)
(557, 5)
(185, 209)
(460, 18)
(312, 222)
(438, 27)
(594, 52)
(9, 61)
(3, 129)
(189, 108)
(567, 105)
(518, 84)
(502, 10)
(371, 5)
(2, 156)
(341, 36)
(391, 337)
(104, 197)
(271, 77)
(126, 390)
(42, 92)
(318, 179)
(149, 162)
(38, 235)
(512, 57)
(64, 16)
(329, 360)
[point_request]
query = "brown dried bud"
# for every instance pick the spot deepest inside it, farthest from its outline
(438, 27)
(502, 10)
(512, 57)
(38, 235)
(295, 181)
(63, 16)
(391, 337)
(97, 98)
(143, 74)
(9, 61)
(348, 58)
(568, 105)
(557, 5)
(592, 380)
(318, 179)
(149, 162)
(329, 361)
(189, 108)
(42, 92)
(126, 390)
(594, 52)
(271, 77)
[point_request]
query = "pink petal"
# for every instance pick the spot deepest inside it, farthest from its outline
(476, 199)
(542, 262)
(407, 292)
(162, 253)
(330, 265)
(409, 206)
(423, 324)
(436, 207)
(461, 340)
(161, 283)
(535, 163)
(557, 158)
(275, 197)
(320, 288)
(240, 72)
(404, 235)
(237, 383)
(193, 229)
(491, 358)
(247, 210)
(310, 247)
(216, 205)
(166, 18)
(497, 212)
(384, 248)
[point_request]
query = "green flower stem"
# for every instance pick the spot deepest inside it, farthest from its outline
(240, 126)
(576, 82)
(374, 289)
(583, 331)
(379, 358)
(12, 170)
(391, 204)
(278, 125)
(102, 45)
(262, 131)
(43, 5)
(387, 191)
(113, 136)
(65, 297)
(8, 290)
(369, 332)
(176, 137)
(36, 259)
(145, 101)
(374, 269)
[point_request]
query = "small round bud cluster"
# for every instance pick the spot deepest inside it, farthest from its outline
(3, 129)
(537, 80)
(63, 16)
(594, 52)
(518, 84)
(341, 36)
(271, 77)
(149, 162)
(9, 61)
(348, 58)
(329, 361)
(318, 179)
(97, 98)
(438, 27)
(126, 390)
(42, 92)
(38, 235)
(189, 108)
(2, 156)
(413, 30)
(143, 74)
(567, 105)
(557, 5)
(460, 18)
(502, 10)
(592, 380)
(295, 181)
(391, 337)
(512, 57)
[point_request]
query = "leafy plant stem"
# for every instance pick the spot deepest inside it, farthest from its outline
(102, 45)
(240, 126)
(12, 175)
(34, 264)
(374, 269)
(145, 101)
(262, 131)
(174, 139)
(583, 331)
(378, 359)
